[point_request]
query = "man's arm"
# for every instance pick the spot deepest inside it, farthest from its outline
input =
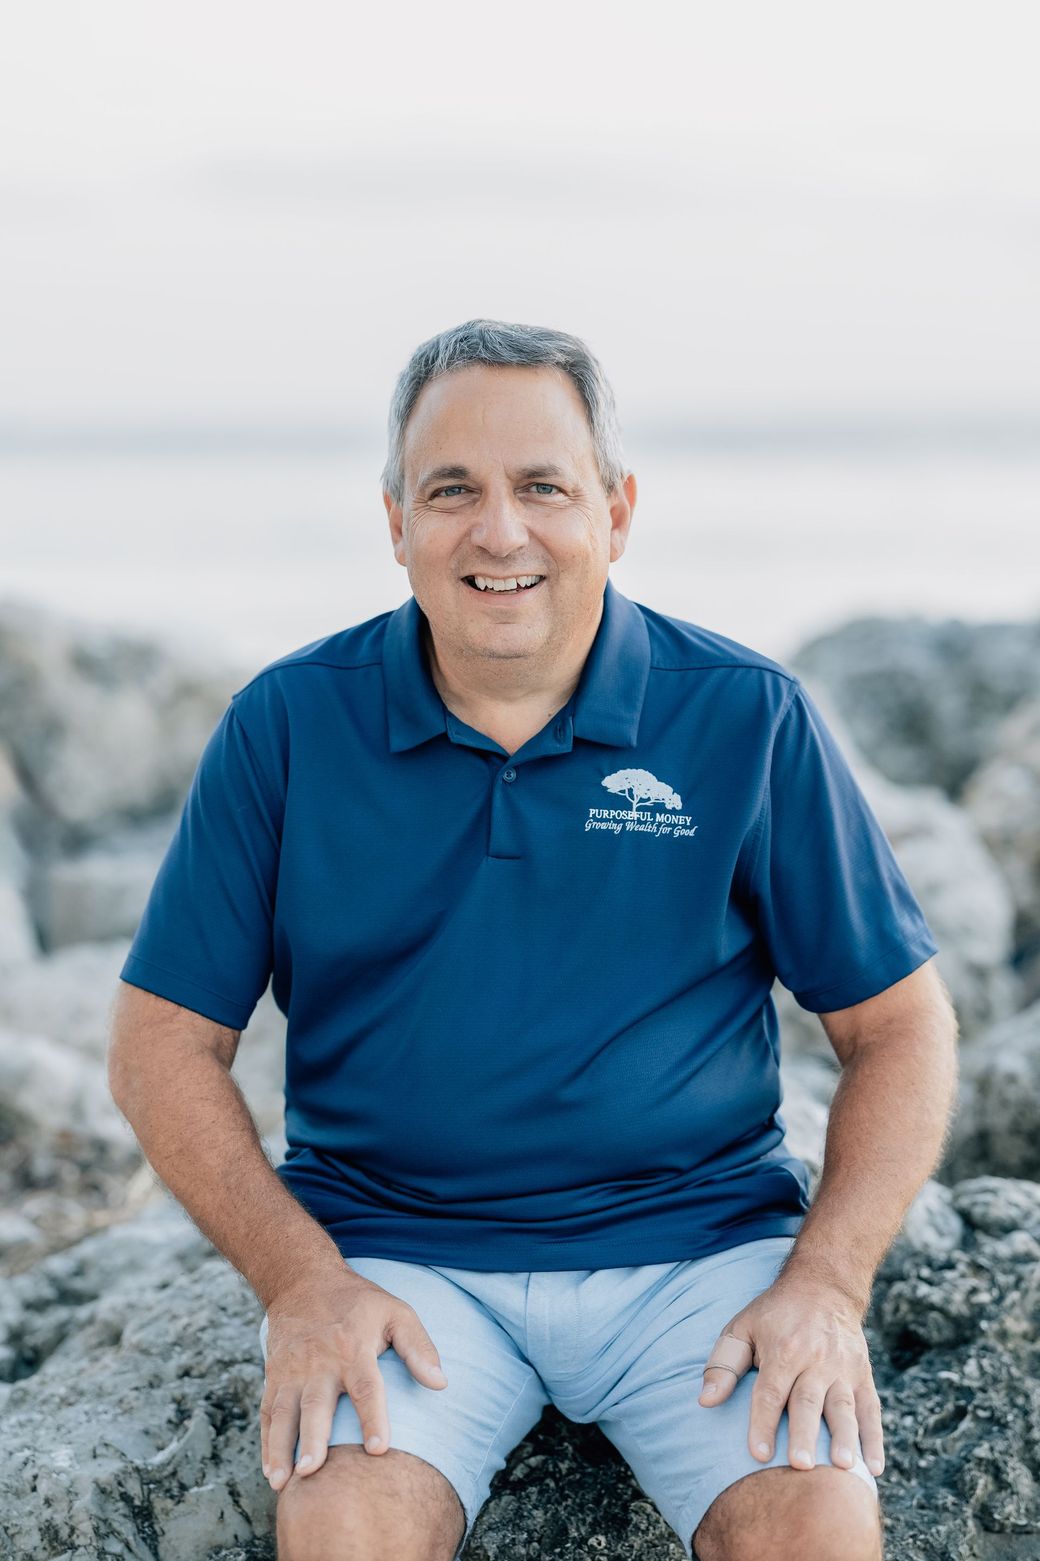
(169, 1074)
(887, 1130)
(887, 1127)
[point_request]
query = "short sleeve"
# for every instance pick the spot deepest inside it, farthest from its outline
(832, 905)
(205, 939)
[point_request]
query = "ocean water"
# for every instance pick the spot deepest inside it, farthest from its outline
(247, 555)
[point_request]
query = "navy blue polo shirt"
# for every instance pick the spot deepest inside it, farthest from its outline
(528, 994)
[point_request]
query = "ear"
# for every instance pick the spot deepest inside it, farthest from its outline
(622, 503)
(395, 517)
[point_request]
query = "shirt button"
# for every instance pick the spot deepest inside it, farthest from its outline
(509, 775)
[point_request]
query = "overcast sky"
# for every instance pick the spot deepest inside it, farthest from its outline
(240, 212)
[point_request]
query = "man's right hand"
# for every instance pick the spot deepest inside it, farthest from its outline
(323, 1338)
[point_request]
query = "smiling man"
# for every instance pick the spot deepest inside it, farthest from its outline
(523, 859)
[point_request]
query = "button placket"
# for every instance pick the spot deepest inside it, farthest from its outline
(504, 839)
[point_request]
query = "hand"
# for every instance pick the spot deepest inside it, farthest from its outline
(806, 1339)
(323, 1338)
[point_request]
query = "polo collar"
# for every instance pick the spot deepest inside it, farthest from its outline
(607, 702)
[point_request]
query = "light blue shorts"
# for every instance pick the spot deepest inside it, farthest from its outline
(623, 1347)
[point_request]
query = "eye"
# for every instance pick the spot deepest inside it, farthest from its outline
(456, 485)
(546, 485)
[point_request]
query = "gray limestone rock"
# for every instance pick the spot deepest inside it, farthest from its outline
(924, 700)
(131, 1376)
(961, 890)
(104, 728)
(1003, 799)
(997, 1125)
(99, 893)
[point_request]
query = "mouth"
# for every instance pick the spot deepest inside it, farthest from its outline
(507, 588)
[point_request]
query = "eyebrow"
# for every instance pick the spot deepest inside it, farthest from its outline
(454, 473)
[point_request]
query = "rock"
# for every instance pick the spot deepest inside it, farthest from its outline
(999, 1205)
(156, 1452)
(923, 700)
(68, 1157)
(66, 995)
(997, 1125)
(18, 1234)
(104, 728)
(808, 1085)
(961, 890)
(931, 1228)
(18, 935)
(1003, 799)
(46, 1087)
(964, 896)
(953, 1341)
(100, 893)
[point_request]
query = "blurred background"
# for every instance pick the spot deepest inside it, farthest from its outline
(804, 241)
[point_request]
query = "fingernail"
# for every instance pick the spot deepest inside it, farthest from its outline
(710, 1390)
(374, 1443)
(876, 1465)
(267, 1470)
(844, 1454)
(306, 1461)
(277, 1476)
(802, 1457)
(763, 1448)
(437, 1374)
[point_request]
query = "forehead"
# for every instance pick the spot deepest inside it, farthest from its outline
(527, 413)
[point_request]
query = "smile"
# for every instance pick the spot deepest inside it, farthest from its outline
(511, 585)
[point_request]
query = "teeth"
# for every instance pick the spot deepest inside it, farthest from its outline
(486, 583)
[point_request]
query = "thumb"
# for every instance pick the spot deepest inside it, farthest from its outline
(730, 1358)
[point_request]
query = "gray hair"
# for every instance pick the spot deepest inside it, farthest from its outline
(499, 342)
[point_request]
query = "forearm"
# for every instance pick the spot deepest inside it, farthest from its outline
(885, 1136)
(195, 1128)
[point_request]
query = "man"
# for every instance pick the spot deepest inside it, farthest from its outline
(523, 859)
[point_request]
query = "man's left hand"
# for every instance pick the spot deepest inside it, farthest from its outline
(806, 1339)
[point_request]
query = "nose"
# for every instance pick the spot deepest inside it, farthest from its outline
(499, 525)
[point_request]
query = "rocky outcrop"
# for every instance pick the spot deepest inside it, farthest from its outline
(997, 1126)
(1002, 797)
(965, 897)
(131, 1376)
(99, 731)
(924, 700)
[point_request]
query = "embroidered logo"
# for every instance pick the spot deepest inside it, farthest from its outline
(643, 791)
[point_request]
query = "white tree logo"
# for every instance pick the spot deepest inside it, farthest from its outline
(640, 787)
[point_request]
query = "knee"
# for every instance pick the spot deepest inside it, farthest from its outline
(821, 1514)
(310, 1526)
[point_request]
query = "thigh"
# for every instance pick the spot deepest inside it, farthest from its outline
(494, 1396)
(683, 1453)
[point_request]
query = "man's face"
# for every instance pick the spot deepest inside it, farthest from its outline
(500, 481)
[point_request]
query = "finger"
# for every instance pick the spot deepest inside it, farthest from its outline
(839, 1411)
(804, 1412)
(418, 1351)
(265, 1423)
(871, 1434)
(317, 1407)
(768, 1400)
(730, 1358)
(364, 1382)
(281, 1436)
